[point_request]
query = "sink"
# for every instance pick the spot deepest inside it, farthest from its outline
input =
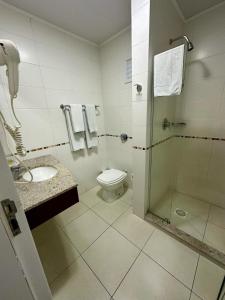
(40, 174)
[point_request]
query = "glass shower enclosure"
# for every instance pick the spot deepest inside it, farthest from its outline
(187, 168)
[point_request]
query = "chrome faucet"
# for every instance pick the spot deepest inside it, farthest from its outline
(17, 171)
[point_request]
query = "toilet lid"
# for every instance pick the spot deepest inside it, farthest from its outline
(111, 176)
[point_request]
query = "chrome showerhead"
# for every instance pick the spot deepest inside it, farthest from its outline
(189, 44)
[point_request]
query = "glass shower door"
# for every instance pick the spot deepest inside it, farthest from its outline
(187, 171)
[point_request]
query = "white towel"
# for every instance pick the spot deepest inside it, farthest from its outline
(77, 117)
(91, 118)
(76, 140)
(91, 138)
(168, 72)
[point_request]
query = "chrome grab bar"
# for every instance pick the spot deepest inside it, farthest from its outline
(167, 124)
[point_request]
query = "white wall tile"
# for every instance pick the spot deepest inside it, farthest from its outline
(140, 186)
(56, 79)
(56, 97)
(31, 97)
(47, 34)
(53, 57)
(55, 69)
(15, 22)
(30, 75)
(140, 25)
(140, 115)
(140, 56)
(35, 122)
(58, 125)
(117, 100)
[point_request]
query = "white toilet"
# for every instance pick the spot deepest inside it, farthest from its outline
(112, 183)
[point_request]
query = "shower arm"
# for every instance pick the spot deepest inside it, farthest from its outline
(190, 45)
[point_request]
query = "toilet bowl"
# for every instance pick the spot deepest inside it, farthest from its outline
(112, 183)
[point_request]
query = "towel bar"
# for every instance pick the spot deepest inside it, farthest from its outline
(67, 106)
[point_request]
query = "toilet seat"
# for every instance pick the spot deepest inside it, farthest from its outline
(112, 176)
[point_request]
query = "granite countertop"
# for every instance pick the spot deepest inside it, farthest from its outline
(34, 193)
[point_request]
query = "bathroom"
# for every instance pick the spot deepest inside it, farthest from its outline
(139, 214)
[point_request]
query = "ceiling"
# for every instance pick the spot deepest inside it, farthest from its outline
(190, 8)
(98, 20)
(95, 20)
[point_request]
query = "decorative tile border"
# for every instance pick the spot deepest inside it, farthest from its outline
(140, 148)
(201, 137)
(180, 136)
(136, 147)
(156, 144)
(66, 143)
(46, 147)
(162, 141)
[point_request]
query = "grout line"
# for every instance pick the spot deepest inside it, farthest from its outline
(207, 221)
(166, 270)
(116, 218)
(149, 237)
(127, 273)
(80, 256)
(126, 238)
(110, 226)
(141, 251)
(50, 283)
(195, 274)
(61, 227)
(95, 275)
(81, 253)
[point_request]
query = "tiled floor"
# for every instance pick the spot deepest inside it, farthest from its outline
(203, 221)
(100, 251)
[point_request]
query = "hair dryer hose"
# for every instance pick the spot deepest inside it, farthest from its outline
(17, 137)
(20, 149)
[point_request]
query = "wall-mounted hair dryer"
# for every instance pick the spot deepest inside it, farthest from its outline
(9, 57)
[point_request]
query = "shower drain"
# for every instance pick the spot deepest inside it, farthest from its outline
(181, 212)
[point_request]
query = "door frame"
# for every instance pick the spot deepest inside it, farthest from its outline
(23, 244)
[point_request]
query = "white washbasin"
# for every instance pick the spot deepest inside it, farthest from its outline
(40, 174)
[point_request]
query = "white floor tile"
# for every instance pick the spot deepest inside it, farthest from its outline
(193, 225)
(194, 297)
(78, 282)
(85, 230)
(43, 231)
(91, 197)
(134, 228)
(70, 214)
(175, 257)
(147, 280)
(56, 254)
(208, 279)
(110, 257)
(127, 197)
(215, 237)
(110, 211)
(192, 206)
(217, 216)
